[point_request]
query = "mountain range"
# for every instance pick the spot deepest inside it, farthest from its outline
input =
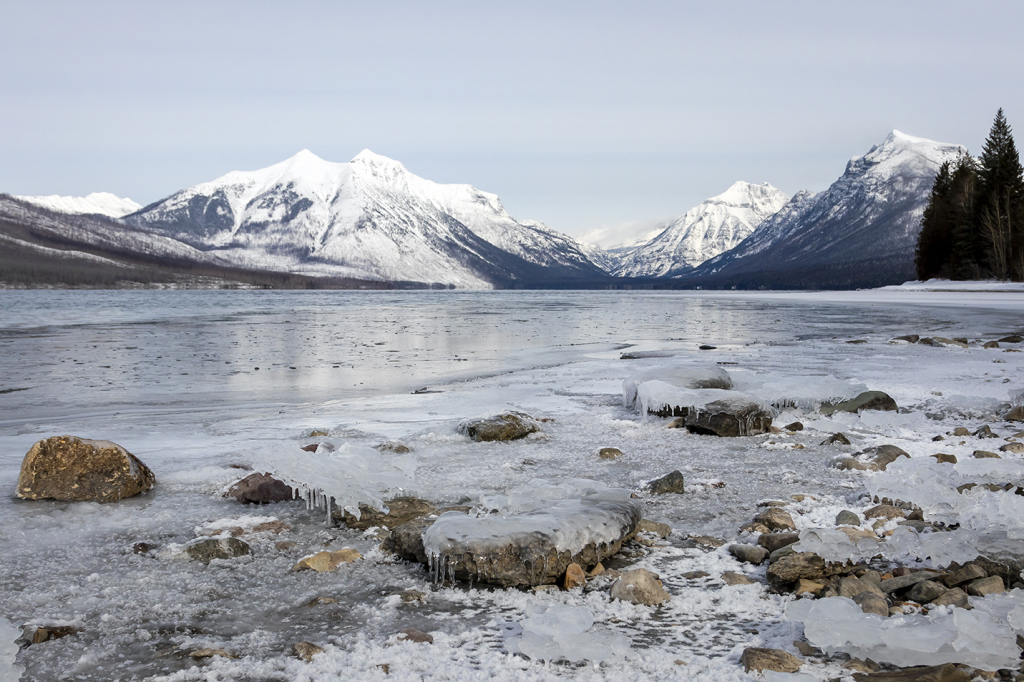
(371, 221)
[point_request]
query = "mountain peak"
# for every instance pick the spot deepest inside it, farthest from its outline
(368, 158)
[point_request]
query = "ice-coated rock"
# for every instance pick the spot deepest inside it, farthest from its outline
(872, 602)
(847, 518)
(73, 469)
(686, 377)
(942, 636)
(537, 531)
(868, 400)
(306, 650)
(750, 554)
(639, 586)
(558, 632)
(706, 411)
(500, 427)
(9, 669)
(669, 483)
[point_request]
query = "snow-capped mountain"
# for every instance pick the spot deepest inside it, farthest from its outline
(370, 218)
(715, 226)
(861, 231)
(97, 203)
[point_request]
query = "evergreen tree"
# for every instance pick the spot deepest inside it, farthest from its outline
(964, 254)
(1000, 215)
(934, 244)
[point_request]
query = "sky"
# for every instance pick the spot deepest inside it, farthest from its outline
(582, 115)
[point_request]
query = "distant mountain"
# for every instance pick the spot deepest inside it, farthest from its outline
(715, 226)
(370, 219)
(860, 232)
(97, 203)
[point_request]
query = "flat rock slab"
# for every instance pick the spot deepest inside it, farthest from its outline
(868, 400)
(932, 673)
(327, 562)
(501, 427)
(904, 581)
(527, 549)
(73, 469)
(400, 510)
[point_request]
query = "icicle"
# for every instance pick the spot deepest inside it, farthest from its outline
(329, 522)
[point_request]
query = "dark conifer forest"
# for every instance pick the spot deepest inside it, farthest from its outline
(973, 226)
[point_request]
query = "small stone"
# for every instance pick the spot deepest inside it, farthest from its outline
(836, 439)
(410, 596)
(847, 518)
(944, 458)
(961, 431)
(502, 427)
(772, 503)
(954, 597)
(1015, 414)
(769, 659)
(574, 577)
(868, 400)
(872, 602)
(851, 587)
(985, 432)
(805, 648)
(795, 426)
(208, 653)
(885, 511)
(284, 546)
(990, 344)
(749, 553)
(775, 519)
(965, 574)
(260, 489)
(307, 650)
(813, 587)
(696, 575)
(1015, 448)
(639, 586)
(326, 562)
(985, 454)
(394, 446)
(774, 541)
(609, 453)
(863, 666)
(414, 635)
(926, 591)
(1012, 338)
(208, 549)
(734, 578)
(936, 673)
(908, 338)
(311, 447)
(37, 635)
(706, 541)
(906, 580)
(320, 601)
(274, 527)
(856, 534)
(660, 529)
(670, 483)
(596, 570)
(985, 586)
(143, 547)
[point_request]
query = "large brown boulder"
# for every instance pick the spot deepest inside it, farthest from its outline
(260, 489)
(74, 469)
(508, 426)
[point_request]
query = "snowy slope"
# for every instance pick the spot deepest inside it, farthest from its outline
(715, 226)
(370, 218)
(861, 231)
(97, 203)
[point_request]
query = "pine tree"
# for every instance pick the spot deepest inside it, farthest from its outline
(935, 244)
(1000, 215)
(964, 254)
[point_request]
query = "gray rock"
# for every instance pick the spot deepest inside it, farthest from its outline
(508, 557)
(780, 553)
(208, 549)
(660, 529)
(926, 591)
(985, 432)
(941, 341)
(984, 586)
(400, 510)
(639, 587)
(807, 565)
(884, 511)
(953, 597)
(775, 519)
(774, 541)
(944, 458)
(260, 489)
(966, 574)
(669, 483)
(985, 454)
(609, 453)
(868, 400)
(935, 673)
(904, 581)
(414, 635)
(751, 554)
(847, 518)
(872, 602)
(734, 578)
(1012, 338)
(306, 650)
(502, 427)
(851, 587)
(72, 469)
(1015, 414)
(1015, 448)
(769, 659)
(795, 426)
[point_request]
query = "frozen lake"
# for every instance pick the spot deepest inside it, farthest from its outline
(193, 382)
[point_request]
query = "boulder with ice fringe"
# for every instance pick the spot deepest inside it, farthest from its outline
(689, 377)
(501, 427)
(400, 510)
(260, 489)
(868, 400)
(72, 469)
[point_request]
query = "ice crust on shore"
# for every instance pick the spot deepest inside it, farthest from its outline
(10, 671)
(905, 543)
(350, 475)
(560, 632)
(978, 637)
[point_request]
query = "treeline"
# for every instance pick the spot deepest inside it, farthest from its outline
(973, 226)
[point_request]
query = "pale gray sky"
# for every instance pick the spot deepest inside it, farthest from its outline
(579, 114)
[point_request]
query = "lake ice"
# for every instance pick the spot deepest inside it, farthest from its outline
(172, 377)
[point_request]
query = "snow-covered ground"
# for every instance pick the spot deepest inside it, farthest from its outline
(171, 376)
